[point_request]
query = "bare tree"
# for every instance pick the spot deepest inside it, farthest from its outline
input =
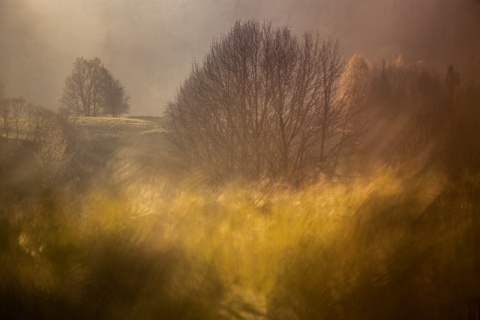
(262, 104)
(31, 120)
(115, 99)
(83, 93)
(18, 115)
(328, 112)
(5, 110)
(18, 108)
(91, 90)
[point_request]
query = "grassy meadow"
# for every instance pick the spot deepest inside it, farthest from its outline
(95, 225)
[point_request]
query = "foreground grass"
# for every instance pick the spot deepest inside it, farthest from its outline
(379, 248)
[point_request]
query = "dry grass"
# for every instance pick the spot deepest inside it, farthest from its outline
(134, 245)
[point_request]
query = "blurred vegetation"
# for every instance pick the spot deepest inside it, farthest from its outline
(100, 221)
(390, 246)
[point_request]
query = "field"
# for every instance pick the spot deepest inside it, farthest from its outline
(107, 127)
(112, 232)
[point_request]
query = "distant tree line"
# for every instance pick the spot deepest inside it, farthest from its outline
(429, 119)
(266, 104)
(49, 137)
(92, 91)
(22, 121)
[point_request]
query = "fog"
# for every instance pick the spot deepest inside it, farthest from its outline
(290, 177)
(150, 45)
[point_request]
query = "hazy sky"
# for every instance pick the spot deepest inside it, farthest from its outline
(149, 45)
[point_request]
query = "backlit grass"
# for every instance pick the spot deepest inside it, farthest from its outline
(379, 248)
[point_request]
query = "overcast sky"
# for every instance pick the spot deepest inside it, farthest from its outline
(149, 45)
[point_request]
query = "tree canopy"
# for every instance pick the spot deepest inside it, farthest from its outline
(92, 91)
(264, 103)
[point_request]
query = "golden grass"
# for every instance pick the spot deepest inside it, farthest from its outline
(242, 251)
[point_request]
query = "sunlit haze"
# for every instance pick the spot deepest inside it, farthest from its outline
(149, 45)
(240, 159)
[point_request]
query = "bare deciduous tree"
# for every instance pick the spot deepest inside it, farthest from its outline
(5, 110)
(328, 112)
(263, 104)
(18, 115)
(115, 99)
(31, 115)
(91, 90)
(18, 108)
